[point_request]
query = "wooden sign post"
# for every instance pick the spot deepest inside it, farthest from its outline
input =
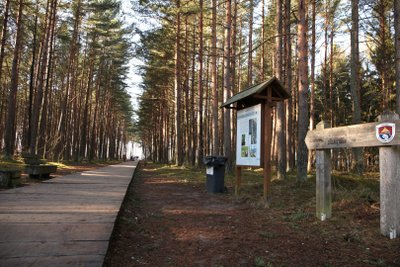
(254, 149)
(386, 135)
(323, 182)
(267, 147)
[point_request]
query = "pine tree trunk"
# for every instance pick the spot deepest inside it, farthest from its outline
(215, 129)
(357, 163)
(3, 91)
(331, 58)
(192, 104)
(47, 86)
(303, 123)
(9, 138)
(233, 57)
(250, 53)
(262, 63)
(200, 137)
(41, 76)
(63, 130)
(32, 80)
(280, 107)
(326, 110)
(4, 38)
(397, 49)
(227, 86)
(312, 78)
(94, 132)
(85, 124)
(178, 91)
(188, 140)
(288, 84)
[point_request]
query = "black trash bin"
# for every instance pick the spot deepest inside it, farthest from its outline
(215, 173)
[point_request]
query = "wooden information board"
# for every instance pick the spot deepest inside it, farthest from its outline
(254, 127)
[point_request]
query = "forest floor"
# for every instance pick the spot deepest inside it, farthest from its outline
(168, 219)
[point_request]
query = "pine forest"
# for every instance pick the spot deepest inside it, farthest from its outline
(62, 79)
(64, 75)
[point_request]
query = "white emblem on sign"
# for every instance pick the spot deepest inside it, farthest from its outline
(210, 170)
(385, 132)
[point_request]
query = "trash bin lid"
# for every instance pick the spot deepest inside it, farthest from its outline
(214, 160)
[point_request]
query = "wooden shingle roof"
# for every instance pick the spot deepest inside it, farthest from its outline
(257, 93)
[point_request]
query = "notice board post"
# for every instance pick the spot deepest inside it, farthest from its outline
(254, 128)
(267, 147)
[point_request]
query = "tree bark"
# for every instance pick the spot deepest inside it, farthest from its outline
(9, 138)
(47, 84)
(4, 39)
(200, 137)
(215, 133)
(312, 78)
(250, 53)
(85, 124)
(326, 111)
(280, 107)
(227, 86)
(32, 80)
(303, 93)
(397, 49)
(234, 89)
(262, 63)
(192, 103)
(42, 77)
(63, 130)
(358, 164)
(288, 83)
(186, 75)
(178, 91)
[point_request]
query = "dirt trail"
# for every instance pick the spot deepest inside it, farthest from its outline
(167, 222)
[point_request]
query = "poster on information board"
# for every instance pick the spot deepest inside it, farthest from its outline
(248, 142)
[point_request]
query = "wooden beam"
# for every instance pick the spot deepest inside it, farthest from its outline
(389, 168)
(238, 180)
(323, 181)
(359, 135)
(267, 148)
(263, 97)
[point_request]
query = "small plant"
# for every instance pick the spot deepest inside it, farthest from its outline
(267, 234)
(377, 262)
(298, 216)
(259, 262)
(352, 237)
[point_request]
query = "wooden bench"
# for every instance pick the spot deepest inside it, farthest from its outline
(40, 171)
(38, 168)
(10, 178)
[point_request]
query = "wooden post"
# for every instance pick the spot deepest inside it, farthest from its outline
(323, 182)
(238, 179)
(267, 149)
(389, 168)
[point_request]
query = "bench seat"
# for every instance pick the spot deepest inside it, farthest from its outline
(40, 171)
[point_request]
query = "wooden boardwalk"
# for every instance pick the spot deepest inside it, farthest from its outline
(66, 221)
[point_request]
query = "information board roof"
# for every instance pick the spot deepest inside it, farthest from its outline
(257, 93)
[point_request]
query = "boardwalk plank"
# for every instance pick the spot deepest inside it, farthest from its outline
(65, 221)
